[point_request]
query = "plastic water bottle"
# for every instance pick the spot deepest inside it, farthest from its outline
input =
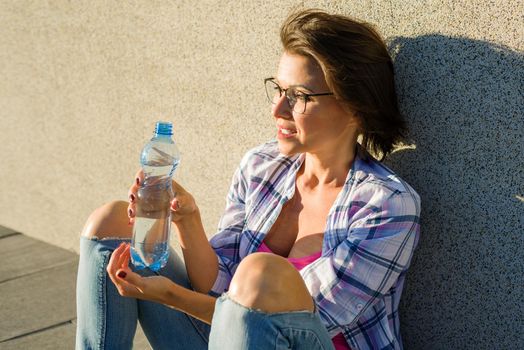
(152, 228)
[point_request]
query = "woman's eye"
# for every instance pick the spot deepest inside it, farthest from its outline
(301, 96)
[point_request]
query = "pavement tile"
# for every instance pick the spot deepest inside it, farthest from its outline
(38, 301)
(140, 342)
(21, 255)
(59, 338)
(6, 231)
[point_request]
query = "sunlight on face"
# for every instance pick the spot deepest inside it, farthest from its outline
(325, 126)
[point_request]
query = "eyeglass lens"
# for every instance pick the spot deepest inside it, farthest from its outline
(274, 93)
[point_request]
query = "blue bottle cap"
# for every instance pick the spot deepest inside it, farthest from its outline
(164, 128)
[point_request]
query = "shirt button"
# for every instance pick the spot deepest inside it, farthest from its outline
(359, 307)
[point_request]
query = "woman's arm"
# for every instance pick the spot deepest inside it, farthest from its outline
(209, 264)
(157, 288)
(200, 258)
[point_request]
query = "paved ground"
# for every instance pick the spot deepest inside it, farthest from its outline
(37, 295)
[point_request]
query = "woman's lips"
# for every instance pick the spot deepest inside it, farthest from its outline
(286, 133)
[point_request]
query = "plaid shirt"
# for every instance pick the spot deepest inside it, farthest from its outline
(371, 232)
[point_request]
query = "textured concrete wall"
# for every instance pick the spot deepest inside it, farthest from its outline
(464, 100)
(83, 83)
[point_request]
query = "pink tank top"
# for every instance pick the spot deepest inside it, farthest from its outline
(299, 263)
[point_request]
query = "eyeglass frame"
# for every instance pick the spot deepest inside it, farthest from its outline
(281, 89)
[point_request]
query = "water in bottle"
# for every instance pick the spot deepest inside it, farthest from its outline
(151, 230)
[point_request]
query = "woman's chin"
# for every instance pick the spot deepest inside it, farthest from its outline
(287, 149)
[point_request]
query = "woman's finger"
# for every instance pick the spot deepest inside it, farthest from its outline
(132, 194)
(123, 261)
(131, 210)
(133, 190)
(127, 254)
(131, 284)
(139, 177)
(112, 266)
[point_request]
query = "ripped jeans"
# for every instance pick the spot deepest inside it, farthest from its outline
(106, 320)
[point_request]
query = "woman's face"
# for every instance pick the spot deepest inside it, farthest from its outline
(325, 126)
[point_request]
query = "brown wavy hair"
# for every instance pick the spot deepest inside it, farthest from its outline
(357, 68)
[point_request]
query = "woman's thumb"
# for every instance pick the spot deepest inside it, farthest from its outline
(178, 188)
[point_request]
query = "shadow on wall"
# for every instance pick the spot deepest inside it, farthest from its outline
(464, 102)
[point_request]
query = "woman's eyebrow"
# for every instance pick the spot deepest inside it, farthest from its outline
(301, 86)
(293, 86)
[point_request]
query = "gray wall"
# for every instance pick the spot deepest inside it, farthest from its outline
(84, 81)
(465, 103)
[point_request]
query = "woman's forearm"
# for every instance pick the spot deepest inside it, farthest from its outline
(200, 258)
(196, 304)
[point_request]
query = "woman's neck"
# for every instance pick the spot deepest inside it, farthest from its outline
(325, 171)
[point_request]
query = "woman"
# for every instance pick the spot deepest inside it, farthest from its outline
(317, 235)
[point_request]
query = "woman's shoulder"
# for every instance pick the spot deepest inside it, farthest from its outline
(377, 181)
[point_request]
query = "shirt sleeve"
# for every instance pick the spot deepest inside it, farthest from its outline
(365, 266)
(226, 242)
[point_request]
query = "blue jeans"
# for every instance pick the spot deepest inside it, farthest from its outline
(106, 320)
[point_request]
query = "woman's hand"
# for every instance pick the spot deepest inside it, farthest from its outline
(182, 206)
(157, 288)
(130, 284)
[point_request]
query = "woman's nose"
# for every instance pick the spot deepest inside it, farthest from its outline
(281, 108)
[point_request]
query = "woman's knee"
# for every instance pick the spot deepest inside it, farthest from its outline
(268, 282)
(109, 220)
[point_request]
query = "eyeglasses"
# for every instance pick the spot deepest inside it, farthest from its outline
(296, 99)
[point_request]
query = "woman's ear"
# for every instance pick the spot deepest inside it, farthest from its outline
(355, 121)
